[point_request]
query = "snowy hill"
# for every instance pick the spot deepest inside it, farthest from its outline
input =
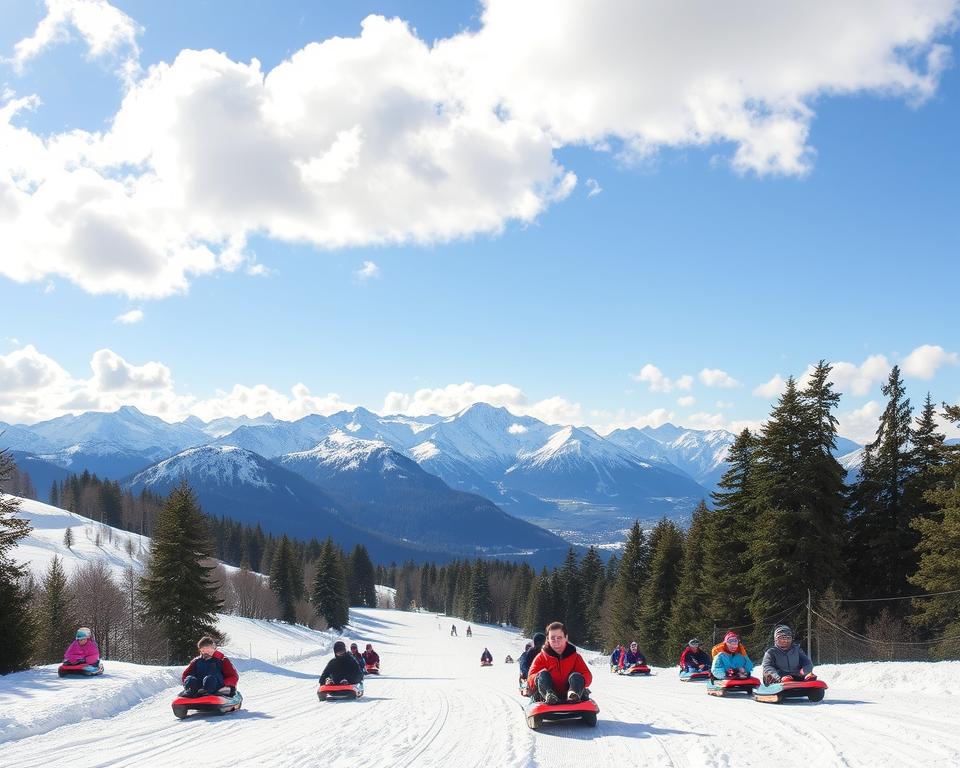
(435, 706)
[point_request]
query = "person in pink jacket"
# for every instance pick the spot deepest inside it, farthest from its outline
(83, 650)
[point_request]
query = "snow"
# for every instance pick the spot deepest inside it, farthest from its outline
(435, 706)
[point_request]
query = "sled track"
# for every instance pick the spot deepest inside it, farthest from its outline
(430, 737)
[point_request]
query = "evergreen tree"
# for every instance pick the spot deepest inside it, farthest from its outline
(539, 610)
(571, 597)
(480, 602)
(659, 590)
(283, 576)
(631, 573)
(178, 591)
(880, 520)
(362, 585)
(68, 538)
(56, 614)
(686, 614)
(927, 458)
(330, 597)
(939, 553)
(54, 495)
(593, 587)
(14, 598)
(519, 592)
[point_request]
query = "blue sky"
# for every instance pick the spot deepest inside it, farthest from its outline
(717, 235)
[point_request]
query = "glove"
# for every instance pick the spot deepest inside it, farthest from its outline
(786, 679)
(809, 676)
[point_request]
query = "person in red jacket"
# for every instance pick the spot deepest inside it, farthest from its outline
(558, 671)
(210, 671)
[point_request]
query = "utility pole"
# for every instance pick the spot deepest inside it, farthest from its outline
(809, 624)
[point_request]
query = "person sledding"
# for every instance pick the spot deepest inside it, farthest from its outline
(83, 649)
(694, 658)
(342, 669)
(486, 657)
(209, 672)
(453, 630)
(559, 673)
(632, 656)
(358, 658)
(469, 631)
(370, 657)
(527, 657)
(731, 661)
(785, 661)
(615, 657)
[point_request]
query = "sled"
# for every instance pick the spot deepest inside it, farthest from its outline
(728, 685)
(337, 692)
(686, 677)
(635, 669)
(372, 669)
(81, 669)
(539, 713)
(486, 663)
(812, 690)
(220, 702)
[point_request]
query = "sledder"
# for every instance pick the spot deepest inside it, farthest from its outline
(694, 663)
(787, 671)
(558, 683)
(633, 662)
(486, 658)
(209, 683)
(526, 659)
(82, 657)
(731, 669)
(371, 660)
(341, 678)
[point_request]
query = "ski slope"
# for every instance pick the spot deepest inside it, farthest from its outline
(435, 706)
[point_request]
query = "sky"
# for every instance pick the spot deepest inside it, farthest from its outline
(609, 213)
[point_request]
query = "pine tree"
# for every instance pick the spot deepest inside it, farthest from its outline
(330, 596)
(659, 590)
(686, 613)
(880, 520)
(362, 585)
(928, 456)
(539, 611)
(178, 591)
(625, 600)
(68, 538)
(571, 597)
(283, 581)
(14, 598)
(519, 592)
(56, 614)
(480, 602)
(592, 591)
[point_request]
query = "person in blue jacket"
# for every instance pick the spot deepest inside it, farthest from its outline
(615, 658)
(633, 656)
(527, 657)
(731, 661)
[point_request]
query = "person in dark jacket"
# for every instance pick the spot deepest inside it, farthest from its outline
(633, 656)
(370, 656)
(615, 658)
(342, 669)
(527, 657)
(558, 671)
(486, 657)
(209, 672)
(358, 657)
(785, 661)
(693, 658)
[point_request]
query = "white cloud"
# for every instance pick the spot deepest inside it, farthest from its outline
(129, 318)
(714, 377)
(924, 361)
(384, 139)
(859, 379)
(28, 370)
(253, 401)
(111, 373)
(106, 30)
(593, 187)
(771, 389)
(860, 425)
(686, 401)
(367, 271)
(653, 376)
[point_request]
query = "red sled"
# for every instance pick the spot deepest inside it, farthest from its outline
(336, 692)
(812, 690)
(538, 713)
(729, 685)
(216, 702)
(636, 669)
(486, 663)
(373, 669)
(81, 668)
(686, 677)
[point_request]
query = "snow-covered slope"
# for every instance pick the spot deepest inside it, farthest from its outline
(435, 706)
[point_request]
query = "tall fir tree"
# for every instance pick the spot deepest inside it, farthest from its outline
(362, 583)
(593, 586)
(539, 611)
(56, 619)
(178, 590)
(928, 456)
(571, 597)
(659, 591)
(880, 532)
(631, 573)
(330, 596)
(480, 602)
(283, 576)
(519, 592)
(18, 623)
(686, 613)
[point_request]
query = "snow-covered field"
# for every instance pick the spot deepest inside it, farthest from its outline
(435, 706)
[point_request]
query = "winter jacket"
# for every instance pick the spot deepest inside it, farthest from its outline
(722, 646)
(88, 653)
(777, 663)
(371, 657)
(486, 656)
(342, 668)
(725, 661)
(630, 658)
(526, 659)
(559, 666)
(615, 657)
(218, 663)
(694, 658)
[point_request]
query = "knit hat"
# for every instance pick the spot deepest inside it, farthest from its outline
(339, 647)
(369, 647)
(83, 633)
(731, 636)
(693, 642)
(539, 639)
(782, 631)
